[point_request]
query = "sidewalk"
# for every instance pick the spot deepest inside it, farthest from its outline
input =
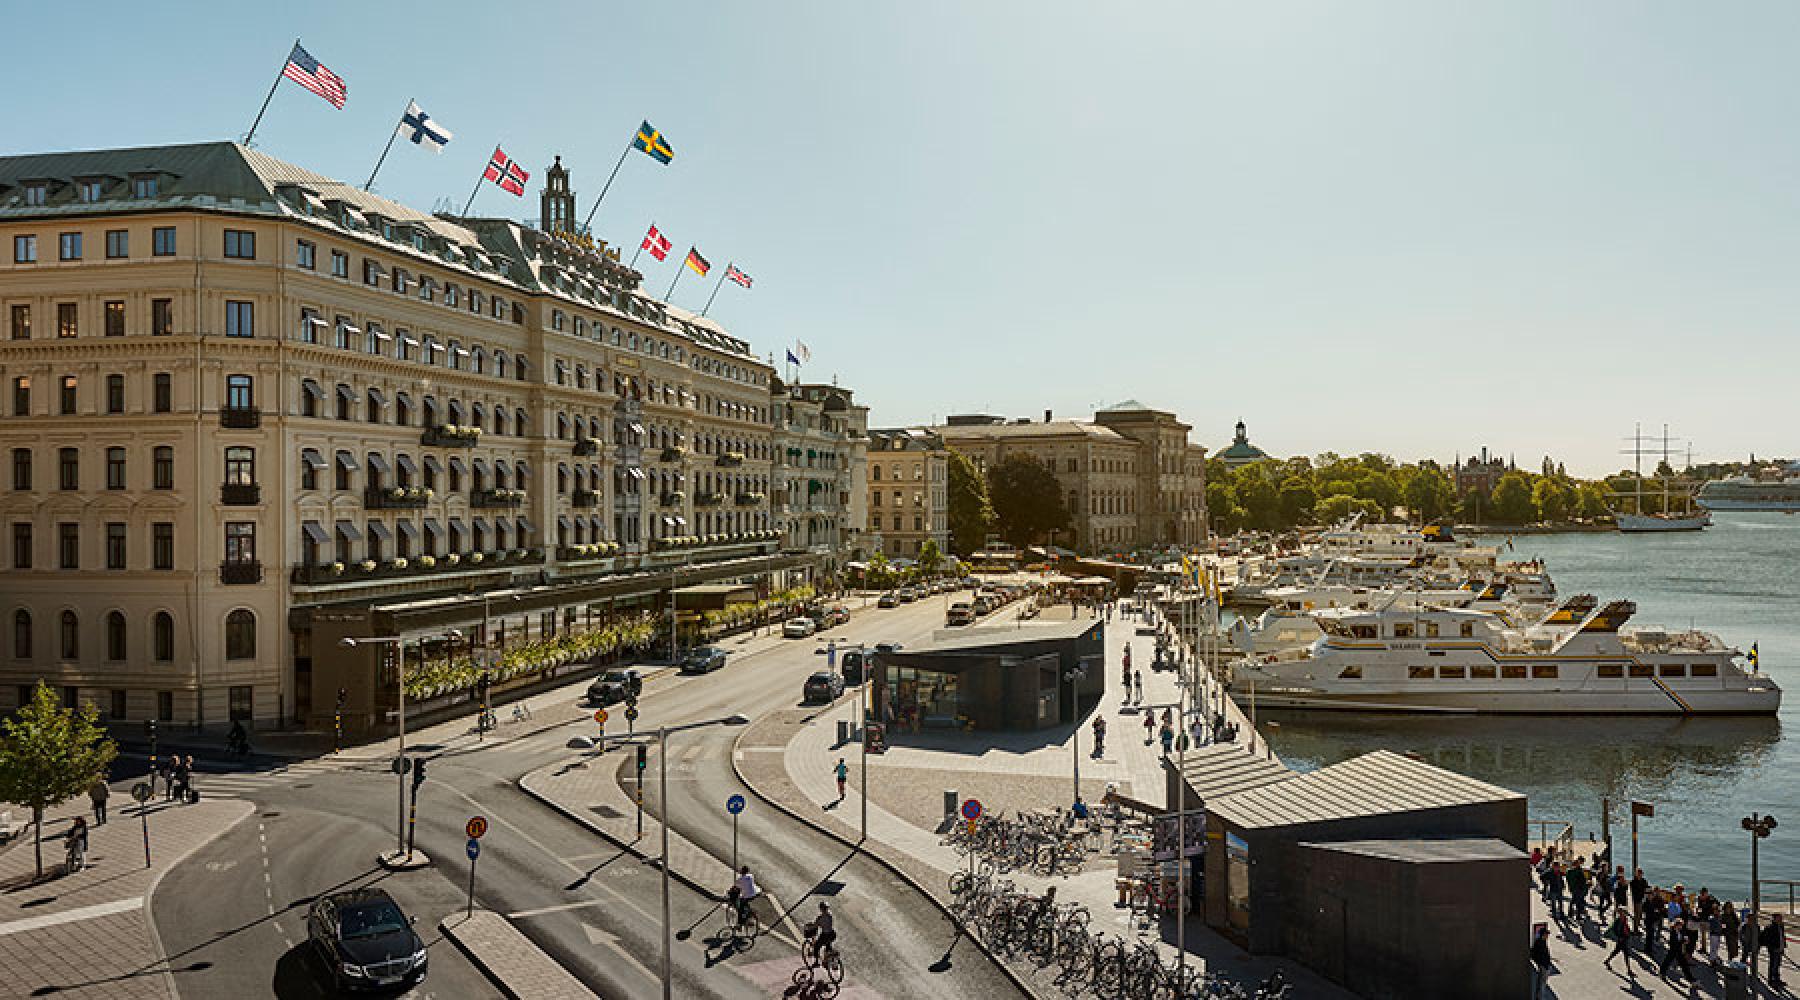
(1577, 949)
(519, 968)
(90, 934)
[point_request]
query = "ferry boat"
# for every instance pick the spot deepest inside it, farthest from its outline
(1772, 490)
(1581, 659)
(1288, 621)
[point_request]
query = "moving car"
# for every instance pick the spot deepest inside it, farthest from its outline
(837, 614)
(704, 660)
(615, 685)
(798, 628)
(823, 685)
(960, 613)
(908, 595)
(888, 600)
(366, 941)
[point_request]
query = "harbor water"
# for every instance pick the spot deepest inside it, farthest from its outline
(1740, 579)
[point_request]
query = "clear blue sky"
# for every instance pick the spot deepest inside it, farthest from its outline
(1411, 227)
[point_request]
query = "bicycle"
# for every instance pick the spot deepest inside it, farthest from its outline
(831, 965)
(742, 926)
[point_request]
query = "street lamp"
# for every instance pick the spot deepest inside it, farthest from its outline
(350, 642)
(868, 677)
(1758, 827)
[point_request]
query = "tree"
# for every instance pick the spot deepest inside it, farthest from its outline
(1027, 499)
(930, 558)
(1551, 502)
(1297, 500)
(971, 513)
(50, 754)
(1335, 508)
(1428, 494)
(1511, 502)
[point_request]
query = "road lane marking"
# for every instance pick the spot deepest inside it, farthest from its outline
(71, 916)
(560, 907)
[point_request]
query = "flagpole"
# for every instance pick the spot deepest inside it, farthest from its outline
(715, 292)
(478, 179)
(384, 150)
(639, 250)
(265, 105)
(608, 185)
(679, 268)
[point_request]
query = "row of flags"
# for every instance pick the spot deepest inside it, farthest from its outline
(503, 171)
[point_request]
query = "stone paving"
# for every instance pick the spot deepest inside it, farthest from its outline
(518, 967)
(1577, 949)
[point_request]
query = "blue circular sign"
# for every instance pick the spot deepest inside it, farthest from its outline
(734, 805)
(971, 809)
(474, 848)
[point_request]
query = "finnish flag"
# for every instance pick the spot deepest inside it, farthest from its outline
(419, 127)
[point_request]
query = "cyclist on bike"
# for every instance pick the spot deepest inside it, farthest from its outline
(827, 938)
(743, 890)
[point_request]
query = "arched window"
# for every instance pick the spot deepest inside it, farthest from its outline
(431, 411)
(71, 636)
(21, 634)
(240, 635)
(478, 415)
(562, 426)
(115, 636)
(478, 360)
(162, 637)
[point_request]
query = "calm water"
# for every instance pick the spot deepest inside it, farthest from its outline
(1740, 579)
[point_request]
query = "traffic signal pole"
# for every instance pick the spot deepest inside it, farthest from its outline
(412, 816)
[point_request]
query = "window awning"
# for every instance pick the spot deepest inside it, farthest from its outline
(315, 532)
(407, 531)
(433, 466)
(408, 341)
(668, 522)
(432, 526)
(524, 525)
(313, 459)
(636, 473)
(346, 393)
(456, 525)
(311, 388)
(349, 328)
(594, 526)
(457, 466)
(378, 334)
(347, 461)
(347, 531)
(378, 396)
(523, 468)
(406, 464)
(563, 522)
(379, 530)
(500, 467)
(479, 465)
(378, 463)
(481, 526)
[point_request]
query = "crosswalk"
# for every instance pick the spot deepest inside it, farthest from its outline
(214, 781)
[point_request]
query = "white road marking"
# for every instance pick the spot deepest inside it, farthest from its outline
(560, 907)
(71, 916)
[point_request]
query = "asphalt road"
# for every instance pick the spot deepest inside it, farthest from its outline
(594, 908)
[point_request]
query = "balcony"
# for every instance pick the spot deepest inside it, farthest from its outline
(396, 498)
(586, 447)
(750, 499)
(586, 498)
(451, 436)
(729, 460)
(674, 499)
(240, 494)
(240, 417)
(672, 454)
(708, 499)
(402, 567)
(240, 571)
(496, 498)
(596, 550)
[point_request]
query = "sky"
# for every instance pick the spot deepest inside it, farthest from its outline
(1416, 228)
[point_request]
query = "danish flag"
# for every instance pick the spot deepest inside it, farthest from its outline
(657, 244)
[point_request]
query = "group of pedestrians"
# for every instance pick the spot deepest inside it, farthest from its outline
(1637, 915)
(177, 773)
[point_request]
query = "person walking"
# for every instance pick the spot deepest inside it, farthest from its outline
(1731, 926)
(1137, 681)
(1149, 728)
(1639, 887)
(183, 776)
(1676, 947)
(1706, 913)
(98, 794)
(1168, 739)
(1540, 961)
(1621, 892)
(77, 845)
(1578, 889)
(1620, 932)
(1099, 735)
(1554, 884)
(842, 770)
(1774, 938)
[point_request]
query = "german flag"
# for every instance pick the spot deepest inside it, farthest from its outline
(697, 263)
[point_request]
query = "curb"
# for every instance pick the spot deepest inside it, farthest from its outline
(149, 909)
(474, 958)
(1007, 970)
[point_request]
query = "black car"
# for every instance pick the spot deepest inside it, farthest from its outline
(704, 660)
(615, 685)
(366, 941)
(851, 663)
(823, 685)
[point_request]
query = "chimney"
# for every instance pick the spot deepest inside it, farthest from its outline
(1046, 416)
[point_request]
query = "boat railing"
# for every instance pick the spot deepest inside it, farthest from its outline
(1553, 833)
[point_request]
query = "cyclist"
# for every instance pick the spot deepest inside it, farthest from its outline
(827, 938)
(743, 890)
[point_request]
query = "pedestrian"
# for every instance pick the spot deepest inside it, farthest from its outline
(97, 794)
(1655, 912)
(1620, 932)
(1137, 680)
(842, 770)
(1730, 927)
(1554, 884)
(77, 845)
(1578, 888)
(1540, 960)
(167, 769)
(1149, 728)
(184, 779)
(1748, 936)
(1537, 857)
(1639, 886)
(1621, 891)
(1168, 739)
(1677, 953)
(1774, 938)
(1099, 735)
(1706, 909)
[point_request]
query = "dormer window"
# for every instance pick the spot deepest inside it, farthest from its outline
(37, 193)
(90, 190)
(143, 187)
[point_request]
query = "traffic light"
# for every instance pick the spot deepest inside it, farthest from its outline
(643, 758)
(418, 771)
(343, 696)
(481, 683)
(150, 729)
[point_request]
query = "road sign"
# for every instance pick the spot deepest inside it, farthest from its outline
(971, 809)
(631, 713)
(1643, 809)
(477, 826)
(474, 848)
(734, 805)
(141, 791)
(402, 765)
(600, 716)
(972, 827)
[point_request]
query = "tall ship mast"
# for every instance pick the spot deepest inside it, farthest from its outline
(1666, 517)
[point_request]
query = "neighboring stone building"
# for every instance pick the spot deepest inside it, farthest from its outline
(1240, 451)
(1479, 474)
(1129, 477)
(813, 472)
(909, 501)
(252, 410)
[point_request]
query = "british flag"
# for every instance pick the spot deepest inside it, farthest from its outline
(657, 244)
(736, 275)
(506, 172)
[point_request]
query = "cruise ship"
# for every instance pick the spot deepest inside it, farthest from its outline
(1581, 659)
(1780, 491)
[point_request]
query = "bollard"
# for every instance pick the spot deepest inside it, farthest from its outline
(1735, 977)
(952, 802)
(843, 731)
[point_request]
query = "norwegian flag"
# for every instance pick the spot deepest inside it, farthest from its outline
(506, 172)
(732, 272)
(657, 244)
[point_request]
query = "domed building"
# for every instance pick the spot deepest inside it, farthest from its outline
(1241, 452)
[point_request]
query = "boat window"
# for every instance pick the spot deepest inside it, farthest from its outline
(1468, 630)
(1364, 632)
(1512, 671)
(1419, 673)
(1704, 670)
(1641, 670)
(1431, 630)
(1543, 671)
(1403, 630)
(1436, 652)
(1674, 670)
(1613, 670)
(1450, 672)
(1352, 673)
(1482, 671)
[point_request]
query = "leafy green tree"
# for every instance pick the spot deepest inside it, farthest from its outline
(1028, 501)
(1511, 502)
(1551, 500)
(930, 558)
(1260, 498)
(50, 754)
(1428, 494)
(971, 513)
(1590, 501)
(1339, 506)
(1379, 486)
(1298, 498)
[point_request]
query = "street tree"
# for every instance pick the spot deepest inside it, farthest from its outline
(971, 512)
(50, 754)
(930, 557)
(1028, 501)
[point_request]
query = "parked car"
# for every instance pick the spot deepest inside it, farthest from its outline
(887, 647)
(851, 663)
(888, 600)
(837, 614)
(704, 660)
(366, 941)
(617, 684)
(823, 685)
(798, 628)
(960, 613)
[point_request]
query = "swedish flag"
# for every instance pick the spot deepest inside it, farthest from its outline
(1755, 657)
(651, 141)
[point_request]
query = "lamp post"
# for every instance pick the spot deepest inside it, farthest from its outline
(400, 787)
(868, 677)
(1758, 827)
(1074, 676)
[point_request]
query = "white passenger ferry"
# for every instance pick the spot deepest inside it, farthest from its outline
(1578, 660)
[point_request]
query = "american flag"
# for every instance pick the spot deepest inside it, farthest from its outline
(506, 173)
(732, 272)
(657, 244)
(308, 72)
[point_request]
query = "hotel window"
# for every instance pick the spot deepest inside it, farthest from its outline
(21, 468)
(24, 249)
(69, 246)
(143, 187)
(71, 647)
(37, 194)
(67, 320)
(68, 545)
(66, 394)
(114, 316)
(162, 468)
(68, 468)
(162, 392)
(21, 322)
(22, 545)
(340, 264)
(240, 541)
(162, 545)
(345, 399)
(115, 549)
(305, 254)
(118, 243)
(240, 466)
(162, 241)
(240, 392)
(240, 636)
(371, 272)
(240, 319)
(162, 317)
(162, 637)
(115, 468)
(240, 243)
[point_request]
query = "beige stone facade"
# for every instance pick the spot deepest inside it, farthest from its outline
(815, 472)
(908, 492)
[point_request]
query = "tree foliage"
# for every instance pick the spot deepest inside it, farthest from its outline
(971, 512)
(1512, 502)
(50, 754)
(1028, 501)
